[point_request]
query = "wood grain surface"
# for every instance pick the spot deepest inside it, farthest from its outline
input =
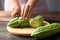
(6, 16)
(4, 35)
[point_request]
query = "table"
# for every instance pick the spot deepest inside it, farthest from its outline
(4, 35)
(6, 16)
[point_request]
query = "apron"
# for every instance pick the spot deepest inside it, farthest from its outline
(40, 6)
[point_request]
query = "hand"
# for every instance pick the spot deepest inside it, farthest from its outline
(26, 12)
(14, 10)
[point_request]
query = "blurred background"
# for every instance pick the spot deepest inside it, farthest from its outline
(53, 12)
(53, 5)
(2, 4)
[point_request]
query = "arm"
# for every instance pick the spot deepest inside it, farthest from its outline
(32, 3)
(15, 8)
(14, 2)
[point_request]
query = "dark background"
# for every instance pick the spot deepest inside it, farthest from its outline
(2, 4)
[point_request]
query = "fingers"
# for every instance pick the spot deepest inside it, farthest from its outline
(14, 11)
(22, 11)
(26, 12)
(29, 12)
(18, 11)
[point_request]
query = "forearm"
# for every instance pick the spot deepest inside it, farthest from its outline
(14, 2)
(32, 3)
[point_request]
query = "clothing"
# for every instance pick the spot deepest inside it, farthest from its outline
(40, 6)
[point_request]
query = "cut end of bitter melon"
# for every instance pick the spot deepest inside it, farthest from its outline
(13, 23)
(36, 22)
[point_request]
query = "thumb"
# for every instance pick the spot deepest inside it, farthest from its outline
(13, 14)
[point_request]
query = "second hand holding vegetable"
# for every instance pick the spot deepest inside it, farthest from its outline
(26, 12)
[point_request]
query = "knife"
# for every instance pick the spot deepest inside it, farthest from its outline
(17, 15)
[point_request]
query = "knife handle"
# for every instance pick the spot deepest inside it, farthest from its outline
(17, 15)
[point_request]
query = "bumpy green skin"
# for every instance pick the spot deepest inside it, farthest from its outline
(23, 23)
(13, 23)
(18, 22)
(45, 31)
(36, 22)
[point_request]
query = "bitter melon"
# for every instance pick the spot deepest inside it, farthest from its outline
(45, 31)
(13, 23)
(23, 23)
(36, 22)
(18, 22)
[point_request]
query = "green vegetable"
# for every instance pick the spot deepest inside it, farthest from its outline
(13, 23)
(45, 31)
(36, 22)
(18, 22)
(23, 23)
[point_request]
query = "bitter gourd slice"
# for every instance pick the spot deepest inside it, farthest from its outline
(36, 22)
(45, 31)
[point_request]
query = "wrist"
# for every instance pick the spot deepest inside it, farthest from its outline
(16, 5)
(32, 3)
(31, 6)
(14, 2)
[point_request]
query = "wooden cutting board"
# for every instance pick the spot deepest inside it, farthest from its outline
(22, 31)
